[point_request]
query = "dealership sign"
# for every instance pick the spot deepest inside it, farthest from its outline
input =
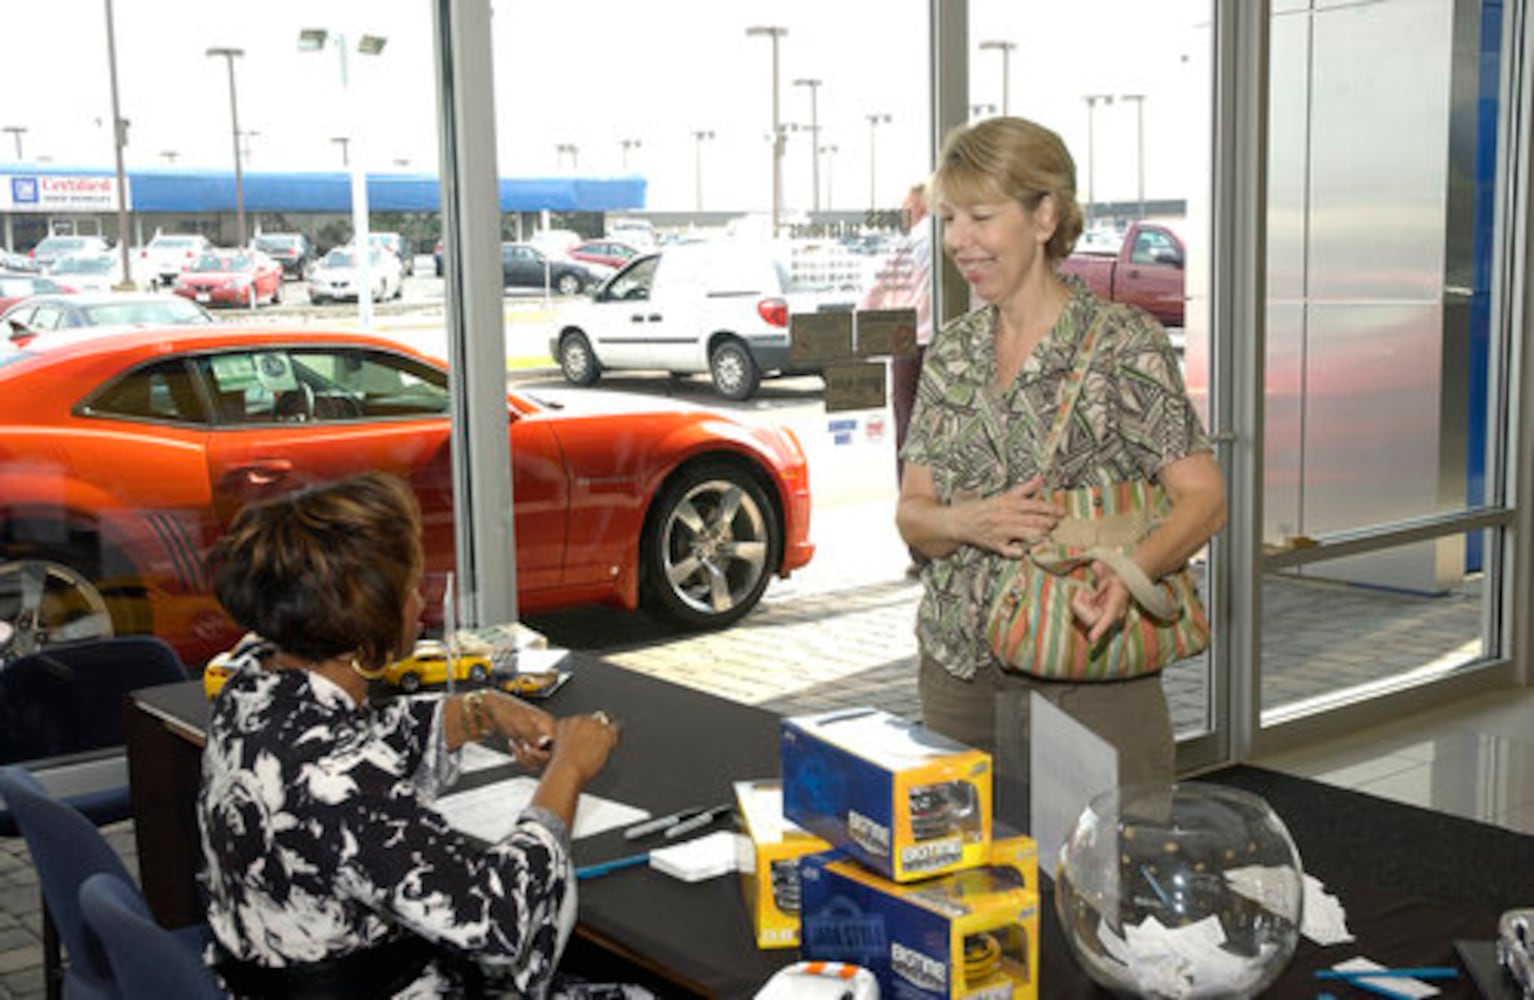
(60, 193)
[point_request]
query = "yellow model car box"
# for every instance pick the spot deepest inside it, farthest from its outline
(972, 934)
(905, 801)
(768, 861)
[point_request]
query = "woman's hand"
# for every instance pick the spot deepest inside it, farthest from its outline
(528, 731)
(583, 743)
(1104, 606)
(1013, 521)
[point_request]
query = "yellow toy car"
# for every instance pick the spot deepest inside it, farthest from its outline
(428, 666)
(425, 667)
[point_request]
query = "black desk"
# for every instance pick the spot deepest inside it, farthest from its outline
(1411, 880)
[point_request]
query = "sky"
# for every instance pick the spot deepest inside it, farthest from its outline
(594, 73)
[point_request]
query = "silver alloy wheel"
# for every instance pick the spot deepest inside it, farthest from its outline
(714, 546)
(46, 602)
(576, 359)
(568, 284)
(733, 370)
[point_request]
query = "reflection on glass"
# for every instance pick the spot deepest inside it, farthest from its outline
(1326, 643)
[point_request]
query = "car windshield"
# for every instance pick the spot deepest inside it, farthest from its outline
(175, 311)
(173, 242)
(222, 262)
(83, 265)
(340, 258)
(270, 243)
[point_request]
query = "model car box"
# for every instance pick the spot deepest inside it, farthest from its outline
(905, 801)
(972, 934)
(769, 850)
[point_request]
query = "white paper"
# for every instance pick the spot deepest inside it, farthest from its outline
(1069, 764)
(1323, 920)
(532, 660)
(478, 757)
(694, 860)
(490, 811)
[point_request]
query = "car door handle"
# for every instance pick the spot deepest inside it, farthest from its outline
(266, 472)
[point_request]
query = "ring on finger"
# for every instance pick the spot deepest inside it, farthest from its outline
(602, 717)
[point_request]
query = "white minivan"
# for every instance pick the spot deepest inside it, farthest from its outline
(720, 308)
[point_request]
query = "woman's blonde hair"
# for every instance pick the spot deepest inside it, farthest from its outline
(1011, 159)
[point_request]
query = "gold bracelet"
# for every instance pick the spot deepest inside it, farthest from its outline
(476, 722)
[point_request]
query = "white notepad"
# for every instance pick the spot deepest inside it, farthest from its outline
(490, 811)
(696, 860)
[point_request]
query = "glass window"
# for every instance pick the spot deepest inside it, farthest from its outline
(161, 391)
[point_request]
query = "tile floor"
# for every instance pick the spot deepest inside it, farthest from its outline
(1473, 759)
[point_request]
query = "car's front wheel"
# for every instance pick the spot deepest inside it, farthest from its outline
(577, 361)
(710, 547)
(44, 600)
(569, 284)
(409, 681)
(734, 370)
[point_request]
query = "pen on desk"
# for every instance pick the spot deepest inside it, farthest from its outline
(697, 822)
(617, 864)
(649, 826)
(1419, 972)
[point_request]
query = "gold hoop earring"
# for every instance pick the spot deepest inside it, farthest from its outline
(365, 673)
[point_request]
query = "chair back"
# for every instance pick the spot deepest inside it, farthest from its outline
(146, 959)
(69, 698)
(67, 849)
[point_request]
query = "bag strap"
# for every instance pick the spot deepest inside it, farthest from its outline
(1070, 391)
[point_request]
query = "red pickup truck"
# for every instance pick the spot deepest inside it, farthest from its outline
(1145, 271)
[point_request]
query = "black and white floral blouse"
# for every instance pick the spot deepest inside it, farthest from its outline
(319, 837)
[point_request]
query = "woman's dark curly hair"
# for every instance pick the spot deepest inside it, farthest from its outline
(325, 571)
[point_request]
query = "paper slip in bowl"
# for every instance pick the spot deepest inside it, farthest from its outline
(696, 860)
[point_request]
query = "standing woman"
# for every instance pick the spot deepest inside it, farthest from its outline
(328, 871)
(972, 497)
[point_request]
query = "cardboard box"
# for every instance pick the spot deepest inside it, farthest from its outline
(905, 801)
(769, 851)
(973, 934)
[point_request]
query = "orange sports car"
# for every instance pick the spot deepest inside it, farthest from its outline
(123, 456)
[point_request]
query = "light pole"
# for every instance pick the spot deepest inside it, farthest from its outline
(119, 140)
(779, 140)
(1139, 100)
(814, 85)
(1005, 48)
(313, 40)
(830, 152)
(874, 121)
(1092, 101)
(16, 131)
(627, 145)
(345, 143)
(700, 136)
(229, 55)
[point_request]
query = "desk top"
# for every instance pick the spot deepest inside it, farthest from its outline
(1402, 873)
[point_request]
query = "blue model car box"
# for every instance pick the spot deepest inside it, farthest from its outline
(905, 801)
(972, 934)
(768, 861)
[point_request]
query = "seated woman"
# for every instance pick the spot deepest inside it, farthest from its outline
(327, 869)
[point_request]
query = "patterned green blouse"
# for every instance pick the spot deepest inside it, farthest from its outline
(1133, 417)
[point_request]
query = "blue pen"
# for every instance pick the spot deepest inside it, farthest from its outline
(1420, 972)
(603, 867)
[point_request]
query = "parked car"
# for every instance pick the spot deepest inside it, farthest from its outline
(395, 244)
(51, 248)
(231, 278)
(1145, 270)
(128, 453)
(15, 287)
(65, 311)
(10, 260)
(292, 250)
(168, 254)
(89, 272)
(335, 278)
(610, 253)
(720, 308)
(525, 266)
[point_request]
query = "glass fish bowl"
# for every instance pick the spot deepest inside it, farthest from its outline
(1180, 891)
